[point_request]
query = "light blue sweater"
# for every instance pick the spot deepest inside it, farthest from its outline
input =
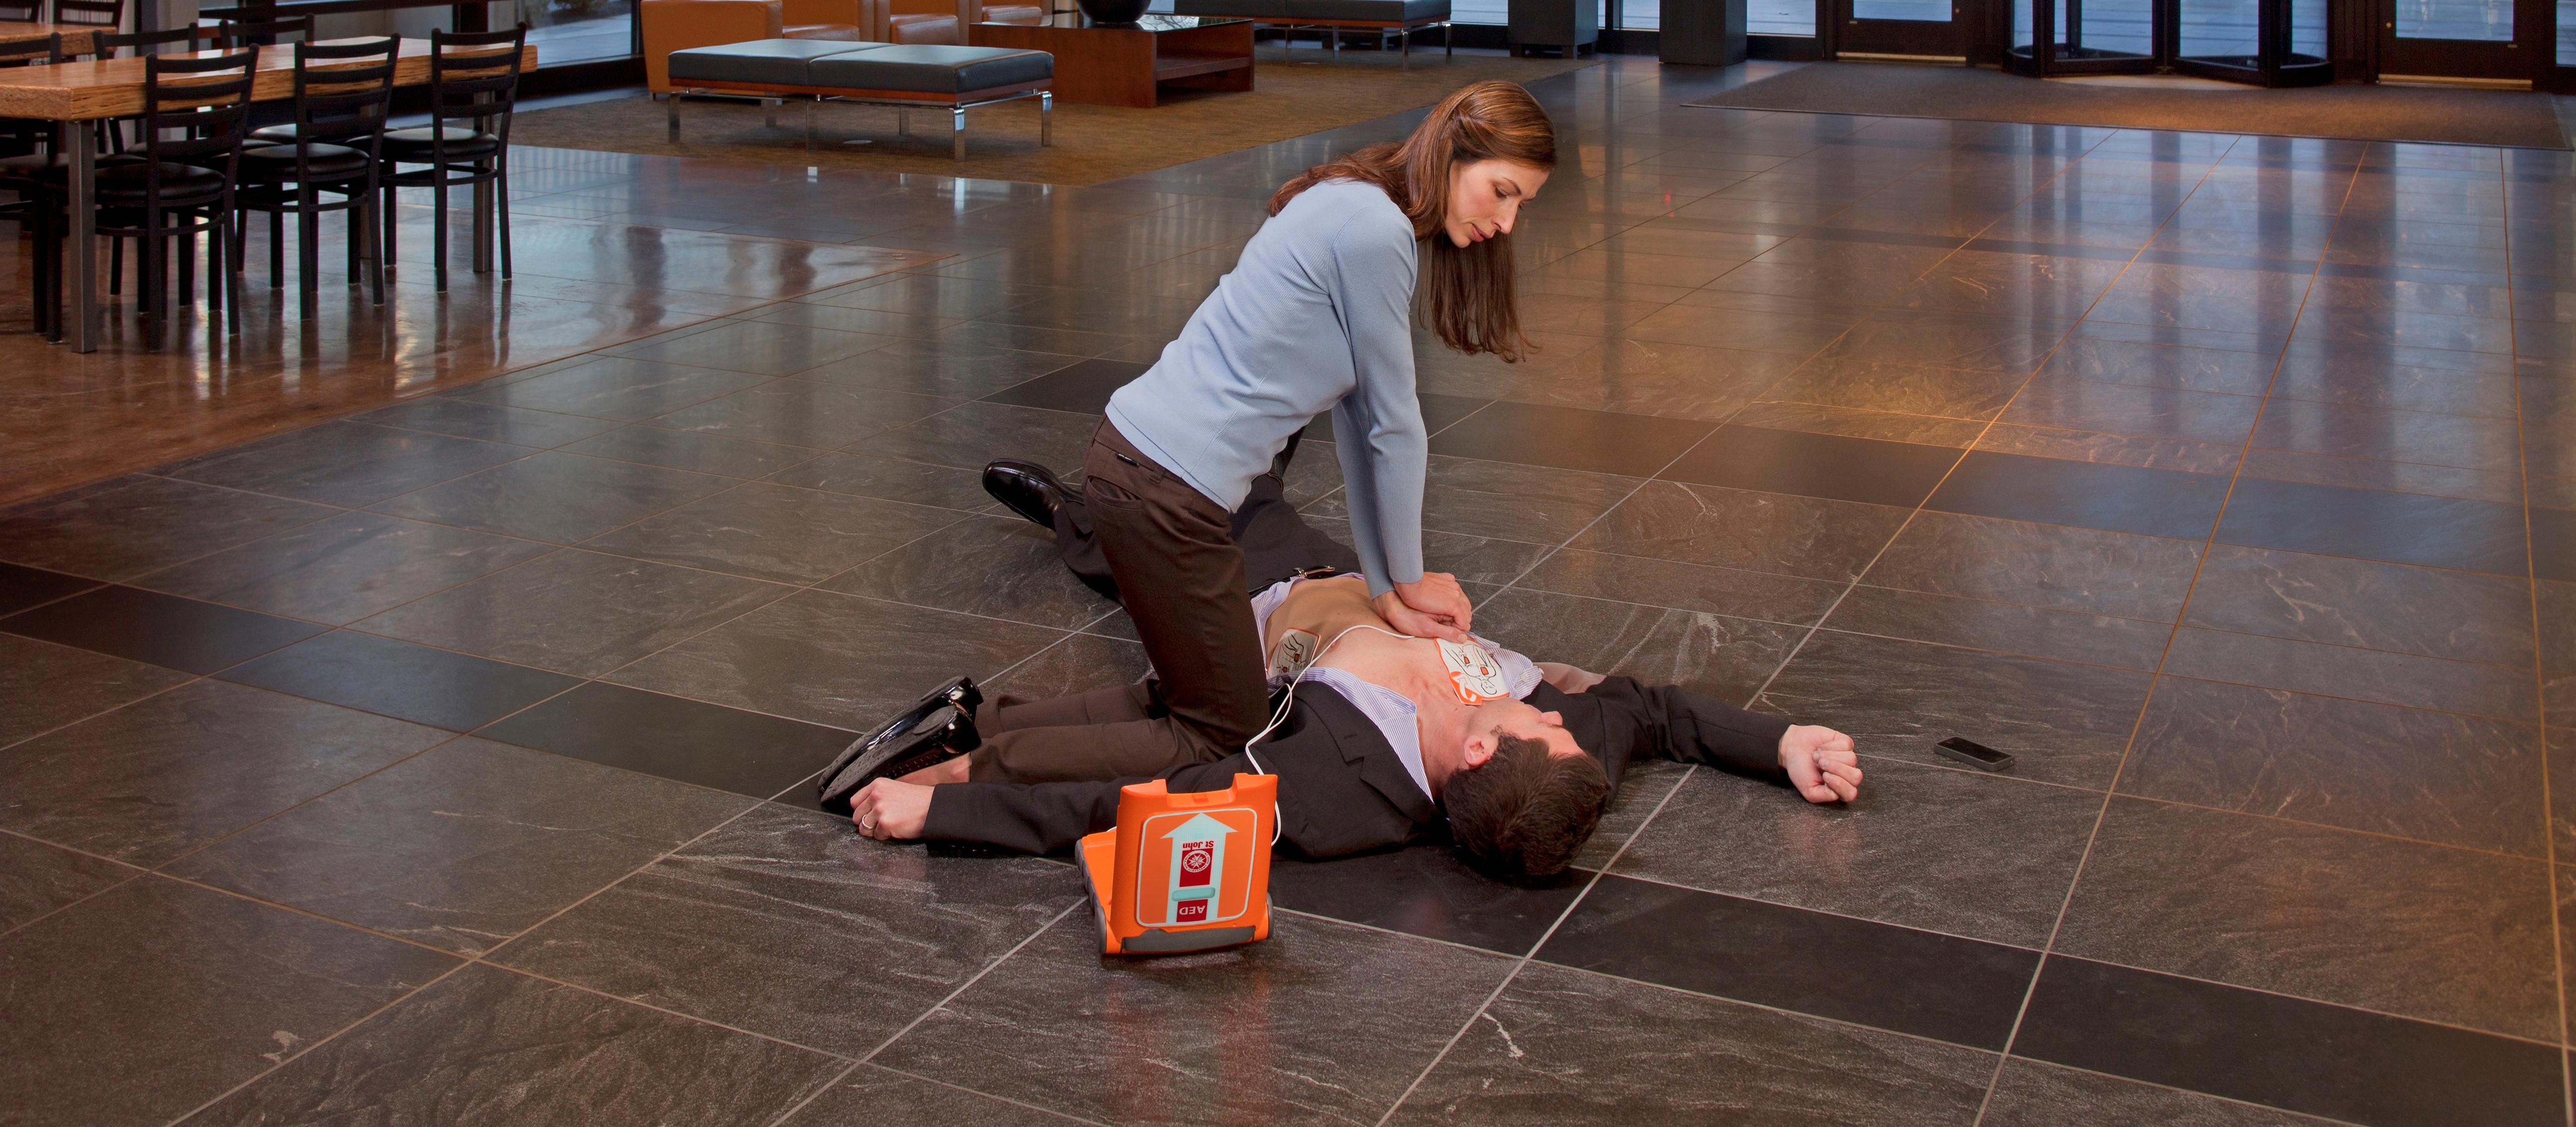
(1317, 314)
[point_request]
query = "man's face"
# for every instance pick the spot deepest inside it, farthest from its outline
(1519, 718)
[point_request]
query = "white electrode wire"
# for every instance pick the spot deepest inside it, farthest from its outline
(1288, 700)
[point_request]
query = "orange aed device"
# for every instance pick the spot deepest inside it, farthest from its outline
(1184, 872)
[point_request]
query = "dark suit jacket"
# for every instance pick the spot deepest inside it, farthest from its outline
(1342, 788)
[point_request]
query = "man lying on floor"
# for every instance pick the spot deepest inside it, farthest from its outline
(1384, 738)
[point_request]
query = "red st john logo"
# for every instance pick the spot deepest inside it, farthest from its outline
(1196, 858)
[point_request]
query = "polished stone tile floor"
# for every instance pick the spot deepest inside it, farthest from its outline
(445, 763)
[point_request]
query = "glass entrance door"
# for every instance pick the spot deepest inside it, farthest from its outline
(1902, 28)
(2262, 42)
(2494, 39)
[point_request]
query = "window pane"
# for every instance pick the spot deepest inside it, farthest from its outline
(1648, 15)
(2308, 28)
(2114, 27)
(573, 31)
(2219, 29)
(1783, 17)
(2567, 33)
(2489, 21)
(1919, 11)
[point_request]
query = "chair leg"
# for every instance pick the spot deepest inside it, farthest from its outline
(277, 248)
(501, 208)
(308, 253)
(375, 249)
(438, 225)
(385, 243)
(232, 281)
(187, 293)
(115, 268)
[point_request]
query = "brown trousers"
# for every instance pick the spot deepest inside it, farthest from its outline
(1173, 554)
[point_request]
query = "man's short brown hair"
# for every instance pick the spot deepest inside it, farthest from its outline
(1524, 812)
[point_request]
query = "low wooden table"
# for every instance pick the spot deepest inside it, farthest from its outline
(1126, 64)
(75, 35)
(72, 93)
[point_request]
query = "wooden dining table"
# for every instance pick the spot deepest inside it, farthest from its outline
(75, 35)
(74, 93)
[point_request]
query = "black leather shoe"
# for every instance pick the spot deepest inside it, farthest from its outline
(1029, 489)
(936, 739)
(960, 694)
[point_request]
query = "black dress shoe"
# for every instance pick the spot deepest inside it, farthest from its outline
(960, 694)
(1029, 489)
(936, 739)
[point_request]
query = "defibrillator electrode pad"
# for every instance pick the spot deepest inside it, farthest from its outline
(1473, 672)
(1293, 653)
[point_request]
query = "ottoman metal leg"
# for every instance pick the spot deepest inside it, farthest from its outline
(675, 117)
(957, 130)
(902, 122)
(1046, 118)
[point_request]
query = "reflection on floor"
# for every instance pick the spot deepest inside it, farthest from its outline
(417, 767)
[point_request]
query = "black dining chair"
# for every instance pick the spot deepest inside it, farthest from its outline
(327, 160)
(473, 85)
(196, 112)
(32, 149)
(22, 11)
(109, 14)
(264, 33)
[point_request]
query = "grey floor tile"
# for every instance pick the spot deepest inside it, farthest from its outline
(345, 463)
(151, 781)
(2112, 449)
(555, 497)
(464, 846)
(775, 532)
(2459, 615)
(1922, 847)
(1774, 532)
(195, 990)
(2435, 776)
(1562, 1046)
(609, 387)
(692, 451)
(2197, 416)
(1078, 664)
(1000, 567)
(2092, 639)
(2415, 930)
(834, 659)
(138, 524)
(25, 587)
(764, 348)
(1726, 658)
(1642, 789)
(708, 745)
(574, 612)
(730, 929)
(487, 1042)
(872, 1093)
(1905, 388)
(44, 686)
(1683, 586)
(2064, 723)
(442, 688)
(37, 879)
(1261, 1031)
(1643, 377)
(490, 422)
(970, 435)
(889, 479)
(2503, 692)
(344, 568)
(2031, 1093)
(948, 370)
(2041, 565)
(804, 413)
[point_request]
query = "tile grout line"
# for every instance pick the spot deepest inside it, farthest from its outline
(1523, 962)
(2181, 614)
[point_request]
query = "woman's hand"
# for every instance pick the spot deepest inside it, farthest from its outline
(888, 810)
(1435, 607)
(1821, 763)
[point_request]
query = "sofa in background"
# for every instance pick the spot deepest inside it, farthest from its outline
(1401, 17)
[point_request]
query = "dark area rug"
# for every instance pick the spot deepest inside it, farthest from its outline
(2375, 113)
(1295, 93)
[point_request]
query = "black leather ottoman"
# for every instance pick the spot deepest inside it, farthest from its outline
(902, 75)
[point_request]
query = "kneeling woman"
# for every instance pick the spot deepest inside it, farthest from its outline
(1317, 315)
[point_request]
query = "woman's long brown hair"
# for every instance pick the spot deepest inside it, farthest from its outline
(1465, 293)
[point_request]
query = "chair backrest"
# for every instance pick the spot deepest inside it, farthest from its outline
(343, 91)
(32, 52)
(22, 11)
(196, 109)
(107, 45)
(90, 13)
(474, 76)
(266, 33)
